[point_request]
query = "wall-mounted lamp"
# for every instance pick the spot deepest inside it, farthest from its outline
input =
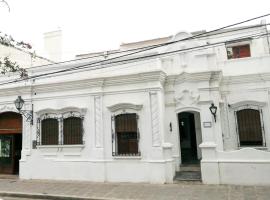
(213, 110)
(170, 126)
(27, 113)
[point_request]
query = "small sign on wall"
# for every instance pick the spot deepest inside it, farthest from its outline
(207, 124)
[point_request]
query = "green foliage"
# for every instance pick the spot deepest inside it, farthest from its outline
(7, 40)
(7, 66)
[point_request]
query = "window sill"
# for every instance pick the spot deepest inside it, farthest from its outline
(263, 148)
(127, 157)
(61, 146)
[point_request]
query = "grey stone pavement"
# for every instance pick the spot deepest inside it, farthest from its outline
(11, 189)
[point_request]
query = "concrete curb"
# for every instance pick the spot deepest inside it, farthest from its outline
(49, 196)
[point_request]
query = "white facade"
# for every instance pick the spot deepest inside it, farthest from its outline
(157, 89)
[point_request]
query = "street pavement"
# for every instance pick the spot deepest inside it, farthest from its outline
(41, 189)
(13, 198)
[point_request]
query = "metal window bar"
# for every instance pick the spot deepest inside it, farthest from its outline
(50, 131)
(236, 129)
(250, 127)
(46, 133)
(113, 134)
(262, 126)
(125, 135)
(38, 132)
(72, 130)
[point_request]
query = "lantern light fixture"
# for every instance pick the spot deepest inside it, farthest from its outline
(213, 110)
(27, 113)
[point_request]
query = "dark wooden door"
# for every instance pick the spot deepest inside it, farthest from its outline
(10, 142)
(188, 141)
(6, 154)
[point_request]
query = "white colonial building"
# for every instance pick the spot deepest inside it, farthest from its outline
(129, 116)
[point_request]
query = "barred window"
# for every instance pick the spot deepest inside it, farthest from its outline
(60, 128)
(50, 131)
(249, 127)
(73, 130)
(126, 130)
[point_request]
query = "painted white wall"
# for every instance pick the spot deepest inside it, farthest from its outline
(162, 87)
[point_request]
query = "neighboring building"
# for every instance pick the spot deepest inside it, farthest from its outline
(22, 57)
(139, 117)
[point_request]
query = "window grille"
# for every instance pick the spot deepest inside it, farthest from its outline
(60, 129)
(50, 131)
(125, 135)
(250, 127)
(72, 130)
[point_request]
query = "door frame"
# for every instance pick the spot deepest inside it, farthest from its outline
(10, 127)
(198, 130)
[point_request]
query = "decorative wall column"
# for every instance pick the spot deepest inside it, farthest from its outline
(98, 121)
(155, 119)
(26, 134)
(209, 164)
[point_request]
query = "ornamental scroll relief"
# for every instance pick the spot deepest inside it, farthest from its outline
(6, 108)
(187, 97)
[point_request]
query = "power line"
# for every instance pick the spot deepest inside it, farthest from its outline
(202, 47)
(147, 56)
(150, 47)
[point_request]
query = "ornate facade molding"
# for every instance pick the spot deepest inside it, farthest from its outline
(6, 108)
(124, 106)
(98, 121)
(62, 111)
(187, 97)
(155, 119)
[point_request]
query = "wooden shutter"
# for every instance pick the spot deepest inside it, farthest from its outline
(73, 130)
(127, 134)
(49, 131)
(10, 123)
(249, 127)
(126, 123)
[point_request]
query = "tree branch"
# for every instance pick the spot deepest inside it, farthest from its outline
(3, 1)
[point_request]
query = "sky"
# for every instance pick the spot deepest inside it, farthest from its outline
(99, 25)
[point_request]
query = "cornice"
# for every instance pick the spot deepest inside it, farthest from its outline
(51, 86)
(248, 78)
(194, 77)
(19, 90)
(136, 78)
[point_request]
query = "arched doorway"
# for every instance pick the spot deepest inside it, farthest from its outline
(10, 142)
(190, 137)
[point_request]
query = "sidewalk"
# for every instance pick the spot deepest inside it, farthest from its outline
(110, 191)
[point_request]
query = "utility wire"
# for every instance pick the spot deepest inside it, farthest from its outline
(168, 43)
(150, 47)
(150, 56)
(202, 47)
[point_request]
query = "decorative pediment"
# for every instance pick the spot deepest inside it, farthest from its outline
(124, 106)
(187, 97)
(82, 111)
